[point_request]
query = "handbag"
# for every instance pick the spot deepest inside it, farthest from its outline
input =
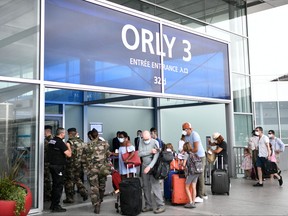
(270, 167)
(211, 157)
(134, 161)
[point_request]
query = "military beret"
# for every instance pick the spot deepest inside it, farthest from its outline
(72, 130)
(48, 127)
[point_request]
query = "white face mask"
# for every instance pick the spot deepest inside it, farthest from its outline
(184, 132)
(270, 135)
(121, 140)
(257, 133)
(215, 141)
(147, 141)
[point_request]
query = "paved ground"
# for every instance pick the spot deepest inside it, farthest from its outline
(244, 199)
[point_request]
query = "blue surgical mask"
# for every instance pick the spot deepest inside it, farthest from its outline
(147, 141)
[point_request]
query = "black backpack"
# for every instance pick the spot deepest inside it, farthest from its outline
(162, 165)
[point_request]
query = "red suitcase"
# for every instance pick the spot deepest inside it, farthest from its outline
(179, 195)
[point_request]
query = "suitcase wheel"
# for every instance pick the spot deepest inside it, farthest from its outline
(228, 193)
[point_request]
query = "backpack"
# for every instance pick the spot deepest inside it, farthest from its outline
(162, 166)
(194, 164)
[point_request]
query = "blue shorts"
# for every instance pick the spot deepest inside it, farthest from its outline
(261, 161)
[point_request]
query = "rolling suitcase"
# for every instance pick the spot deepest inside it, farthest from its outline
(220, 180)
(130, 196)
(179, 195)
(168, 185)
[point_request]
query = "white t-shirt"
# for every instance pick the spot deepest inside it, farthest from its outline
(262, 146)
(180, 145)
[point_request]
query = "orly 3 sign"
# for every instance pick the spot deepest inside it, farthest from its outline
(95, 45)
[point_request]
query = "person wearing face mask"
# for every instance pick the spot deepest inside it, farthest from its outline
(277, 145)
(253, 147)
(125, 146)
(264, 154)
(221, 150)
(194, 139)
(149, 152)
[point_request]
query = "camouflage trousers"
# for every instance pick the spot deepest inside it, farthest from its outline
(97, 184)
(72, 178)
(47, 182)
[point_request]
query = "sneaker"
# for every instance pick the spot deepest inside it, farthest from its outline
(205, 197)
(58, 209)
(159, 210)
(146, 209)
(190, 205)
(280, 181)
(258, 185)
(198, 200)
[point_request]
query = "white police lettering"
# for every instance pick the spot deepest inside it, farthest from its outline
(147, 39)
(53, 142)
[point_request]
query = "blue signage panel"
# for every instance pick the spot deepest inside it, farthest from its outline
(93, 45)
(197, 66)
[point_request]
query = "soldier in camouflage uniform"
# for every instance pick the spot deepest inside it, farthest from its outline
(95, 159)
(47, 175)
(74, 168)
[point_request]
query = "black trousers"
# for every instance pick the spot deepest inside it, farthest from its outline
(57, 173)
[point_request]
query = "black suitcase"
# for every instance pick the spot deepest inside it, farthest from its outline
(130, 196)
(220, 180)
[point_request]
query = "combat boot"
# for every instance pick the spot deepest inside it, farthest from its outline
(101, 195)
(67, 200)
(97, 209)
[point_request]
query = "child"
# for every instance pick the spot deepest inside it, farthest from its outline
(169, 147)
(247, 163)
(191, 179)
(273, 159)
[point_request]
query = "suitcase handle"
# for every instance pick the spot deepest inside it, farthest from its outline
(222, 163)
(134, 174)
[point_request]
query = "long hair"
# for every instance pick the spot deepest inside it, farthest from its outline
(187, 147)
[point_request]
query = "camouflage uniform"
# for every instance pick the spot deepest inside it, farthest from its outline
(47, 175)
(95, 159)
(73, 171)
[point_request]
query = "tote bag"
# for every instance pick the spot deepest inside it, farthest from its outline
(134, 161)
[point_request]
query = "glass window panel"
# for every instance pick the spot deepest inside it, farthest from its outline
(243, 128)
(267, 116)
(241, 93)
(63, 95)
(223, 14)
(238, 52)
(53, 109)
(19, 30)
(283, 108)
(19, 119)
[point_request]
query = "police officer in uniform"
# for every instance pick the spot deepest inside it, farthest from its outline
(57, 153)
(47, 176)
(95, 159)
(74, 168)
